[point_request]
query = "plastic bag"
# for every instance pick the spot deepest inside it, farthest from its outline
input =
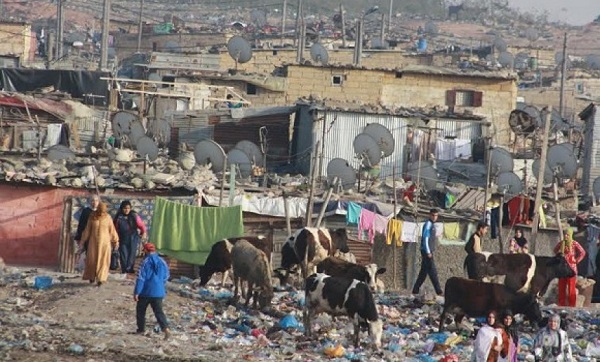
(114, 260)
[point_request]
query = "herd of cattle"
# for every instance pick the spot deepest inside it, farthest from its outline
(338, 286)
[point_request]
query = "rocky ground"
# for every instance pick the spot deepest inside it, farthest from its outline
(75, 321)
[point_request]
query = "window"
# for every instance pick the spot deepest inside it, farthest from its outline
(251, 89)
(579, 88)
(464, 98)
(337, 79)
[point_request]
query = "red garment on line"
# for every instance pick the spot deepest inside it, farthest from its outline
(516, 214)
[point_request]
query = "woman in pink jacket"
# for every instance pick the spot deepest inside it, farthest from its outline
(574, 254)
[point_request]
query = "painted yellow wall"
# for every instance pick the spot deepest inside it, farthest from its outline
(15, 40)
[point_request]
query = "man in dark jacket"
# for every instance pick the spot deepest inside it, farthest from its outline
(150, 289)
(428, 244)
(83, 220)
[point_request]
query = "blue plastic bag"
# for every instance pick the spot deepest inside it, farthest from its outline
(42, 282)
(289, 321)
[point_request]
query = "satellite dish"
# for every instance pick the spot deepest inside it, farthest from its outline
(208, 151)
(431, 28)
(531, 34)
(521, 122)
(534, 113)
(160, 130)
(136, 131)
(121, 123)
(367, 149)
(378, 43)
(535, 167)
(500, 161)
(428, 175)
(500, 44)
(172, 47)
(60, 152)
(241, 160)
(338, 167)
(562, 161)
(506, 59)
(319, 54)
(252, 151)
(596, 187)
(382, 136)
(239, 49)
(146, 146)
(509, 183)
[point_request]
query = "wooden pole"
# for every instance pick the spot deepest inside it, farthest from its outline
(286, 207)
(394, 245)
(343, 26)
(557, 206)
(313, 179)
(540, 181)
(223, 181)
(327, 198)
(488, 154)
(142, 106)
(563, 78)
(283, 18)
(139, 40)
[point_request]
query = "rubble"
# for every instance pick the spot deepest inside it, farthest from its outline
(73, 318)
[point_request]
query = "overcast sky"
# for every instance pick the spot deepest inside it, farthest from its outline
(576, 12)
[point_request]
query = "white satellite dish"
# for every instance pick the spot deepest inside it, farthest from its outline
(500, 161)
(319, 54)
(146, 146)
(60, 152)
(548, 176)
(252, 151)
(241, 160)
(382, 136)
(338, 167)
(367, 149)
(562, 161)
(209, 152)
(509, 183)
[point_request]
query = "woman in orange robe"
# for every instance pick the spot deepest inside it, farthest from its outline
(103, 237)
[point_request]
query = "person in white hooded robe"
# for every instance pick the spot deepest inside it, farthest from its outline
(488, 342)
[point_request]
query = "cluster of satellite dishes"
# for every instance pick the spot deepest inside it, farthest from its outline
(561, 163)
(525, 119)
(130, 132)
(245, 156)
(370, 147)
(505, 58)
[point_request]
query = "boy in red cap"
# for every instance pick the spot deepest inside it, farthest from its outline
(150, 289)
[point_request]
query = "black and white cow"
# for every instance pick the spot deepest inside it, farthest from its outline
(337, 267)
(308, 246)
(522, 272)
(342, 296)
(476, 298)
(219, 258)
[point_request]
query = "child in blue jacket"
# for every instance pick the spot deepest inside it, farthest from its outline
(150, 289)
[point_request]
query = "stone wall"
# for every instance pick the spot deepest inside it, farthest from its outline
(16, 40)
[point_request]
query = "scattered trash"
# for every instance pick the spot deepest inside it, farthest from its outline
(289, 321)
(42, 282)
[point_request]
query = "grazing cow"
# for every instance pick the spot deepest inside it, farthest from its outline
(219, 258)
(251, 264)
(476, 298)
(523, 272)
(308, 246)
(337, 267)
(342, 296)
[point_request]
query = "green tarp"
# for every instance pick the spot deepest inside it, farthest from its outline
(187, 232)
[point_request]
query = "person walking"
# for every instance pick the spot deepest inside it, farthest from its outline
(128, 222)
(428, 244)
(488, 343)
(518, 244)
(150, 289)
(551, 344)
(94, 201)
(574, 254)
(102, 238)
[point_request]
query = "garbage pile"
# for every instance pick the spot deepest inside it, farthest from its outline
(52, 313)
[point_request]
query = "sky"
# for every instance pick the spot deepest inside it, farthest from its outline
(575, 12)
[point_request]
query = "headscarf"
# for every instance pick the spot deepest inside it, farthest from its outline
(99, 212)
(521, 241)
(567, 242)
(512, 328)
(149, 248)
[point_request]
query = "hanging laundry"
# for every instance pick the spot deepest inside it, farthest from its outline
(518, 210)
(187, 233)
(379, 227)
(353, 213)
(439, 230)
(365, 224)
(452, 231)
(444, 149)
(409, 232)
(394, 232)
(462, 148)
(495, 222)
(593, 235)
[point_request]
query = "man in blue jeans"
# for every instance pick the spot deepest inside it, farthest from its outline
(428, 244)
(150, 289)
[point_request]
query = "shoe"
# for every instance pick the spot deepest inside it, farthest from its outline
(99, 284)
(167, 333)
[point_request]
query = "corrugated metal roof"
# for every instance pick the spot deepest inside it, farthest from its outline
(471, 199)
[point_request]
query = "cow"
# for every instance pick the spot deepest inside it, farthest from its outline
(251, 264)
(476, 298)
(523, 272)
(219, 258)
(337, 267)
(342, 296)
(345, 256)
(308, 246)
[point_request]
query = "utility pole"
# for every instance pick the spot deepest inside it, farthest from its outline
(540, 180)
(382, 29)
(389, 28)
(60, 23)
(283, 17)
(563, 77)
(343, 25)
(297, 32)
(105, 30)
(139, 44)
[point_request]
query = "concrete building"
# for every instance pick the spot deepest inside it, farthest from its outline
(17, 40)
